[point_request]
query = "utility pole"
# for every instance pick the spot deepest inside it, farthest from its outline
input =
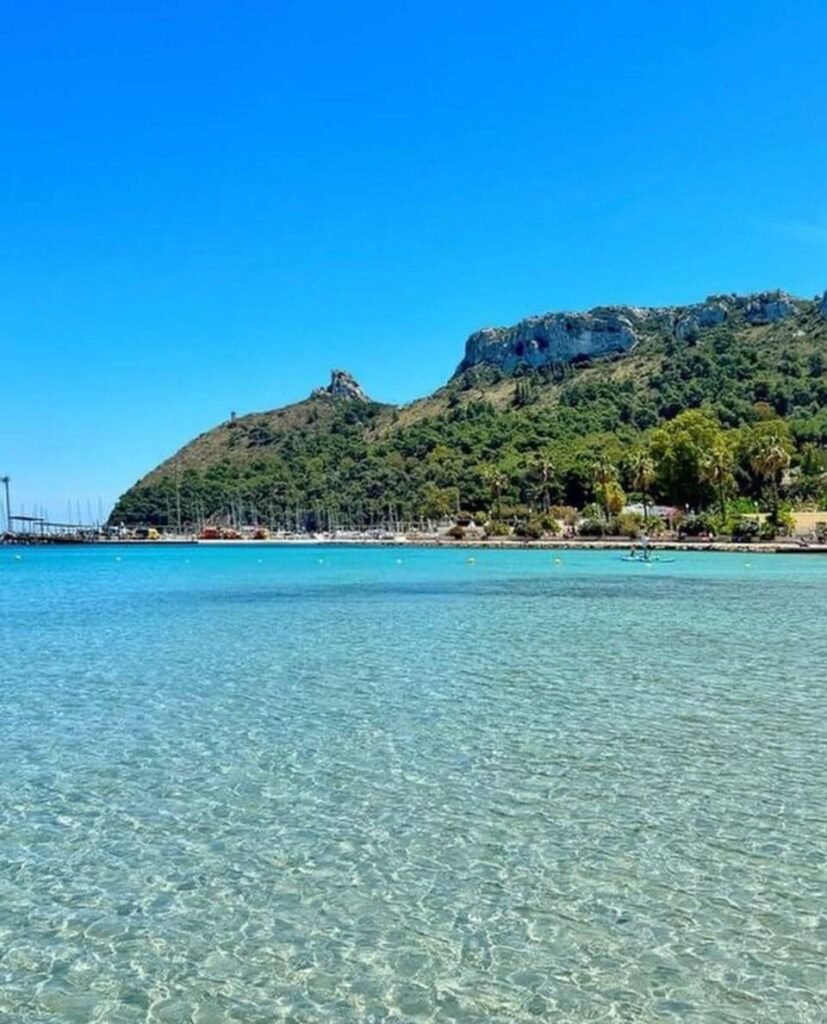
(5, 481)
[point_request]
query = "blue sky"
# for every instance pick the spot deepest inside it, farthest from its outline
(206, 206)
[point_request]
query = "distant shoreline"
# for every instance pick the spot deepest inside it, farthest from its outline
(498, 544)
(569, 544)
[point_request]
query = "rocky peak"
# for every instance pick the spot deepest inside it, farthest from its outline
(821, 302)
(342, 385)
(563, 337)
(758, 309)
(768, 307)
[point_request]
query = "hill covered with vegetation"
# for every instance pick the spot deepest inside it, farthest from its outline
(710, 408)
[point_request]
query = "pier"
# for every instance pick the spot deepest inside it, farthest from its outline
(38, 530)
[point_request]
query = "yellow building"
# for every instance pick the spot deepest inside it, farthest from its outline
(805, 524)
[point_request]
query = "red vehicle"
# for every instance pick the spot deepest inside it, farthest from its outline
(219, 533)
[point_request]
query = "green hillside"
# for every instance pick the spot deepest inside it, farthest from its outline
(507, 440)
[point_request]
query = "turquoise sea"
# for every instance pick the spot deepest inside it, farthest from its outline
(348, 785)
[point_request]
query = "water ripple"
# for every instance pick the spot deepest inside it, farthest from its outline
(358, 791)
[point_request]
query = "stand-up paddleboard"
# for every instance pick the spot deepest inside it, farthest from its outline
(646, 561)
(644, 554)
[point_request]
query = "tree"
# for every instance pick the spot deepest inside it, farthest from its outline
(812, 472)
(613, 498)
(813, 461)
(678, 450)
(545, 469)
(643, 477)
(603, 474)
(524, 393)
(438, 502)
(716, 469)
(769, 457)
(496, 482)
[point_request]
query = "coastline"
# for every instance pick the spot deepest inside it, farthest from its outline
(569, 544)
(502, 544)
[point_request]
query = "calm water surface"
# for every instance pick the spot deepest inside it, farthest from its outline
(319, 785)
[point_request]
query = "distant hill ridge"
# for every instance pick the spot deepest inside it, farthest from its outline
(571, 384)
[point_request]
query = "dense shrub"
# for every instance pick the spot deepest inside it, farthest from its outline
(767, 530)
(626, 524)
(550, 524)
(745, 530)
(564, 513)
(532, 529)
(694, 526)
(591, 528)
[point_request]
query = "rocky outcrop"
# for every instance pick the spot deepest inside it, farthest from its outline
(758, 309)
(696, 318)
(563, 337)
(342, 385)
(821, 302)
(554, 338)
(769, 307)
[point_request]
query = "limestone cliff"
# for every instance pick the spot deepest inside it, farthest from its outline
(553, 338)
(564, 337)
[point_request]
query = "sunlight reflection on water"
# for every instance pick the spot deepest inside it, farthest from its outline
(245, 786)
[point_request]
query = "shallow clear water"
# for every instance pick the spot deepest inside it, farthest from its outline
(362, 785)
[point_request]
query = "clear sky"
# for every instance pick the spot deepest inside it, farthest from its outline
(206, 206)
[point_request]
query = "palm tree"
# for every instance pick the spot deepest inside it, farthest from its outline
(716, 469)
(603, 474)
(496, 481)
(545, 467)
(768, 460)
(643, 476)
